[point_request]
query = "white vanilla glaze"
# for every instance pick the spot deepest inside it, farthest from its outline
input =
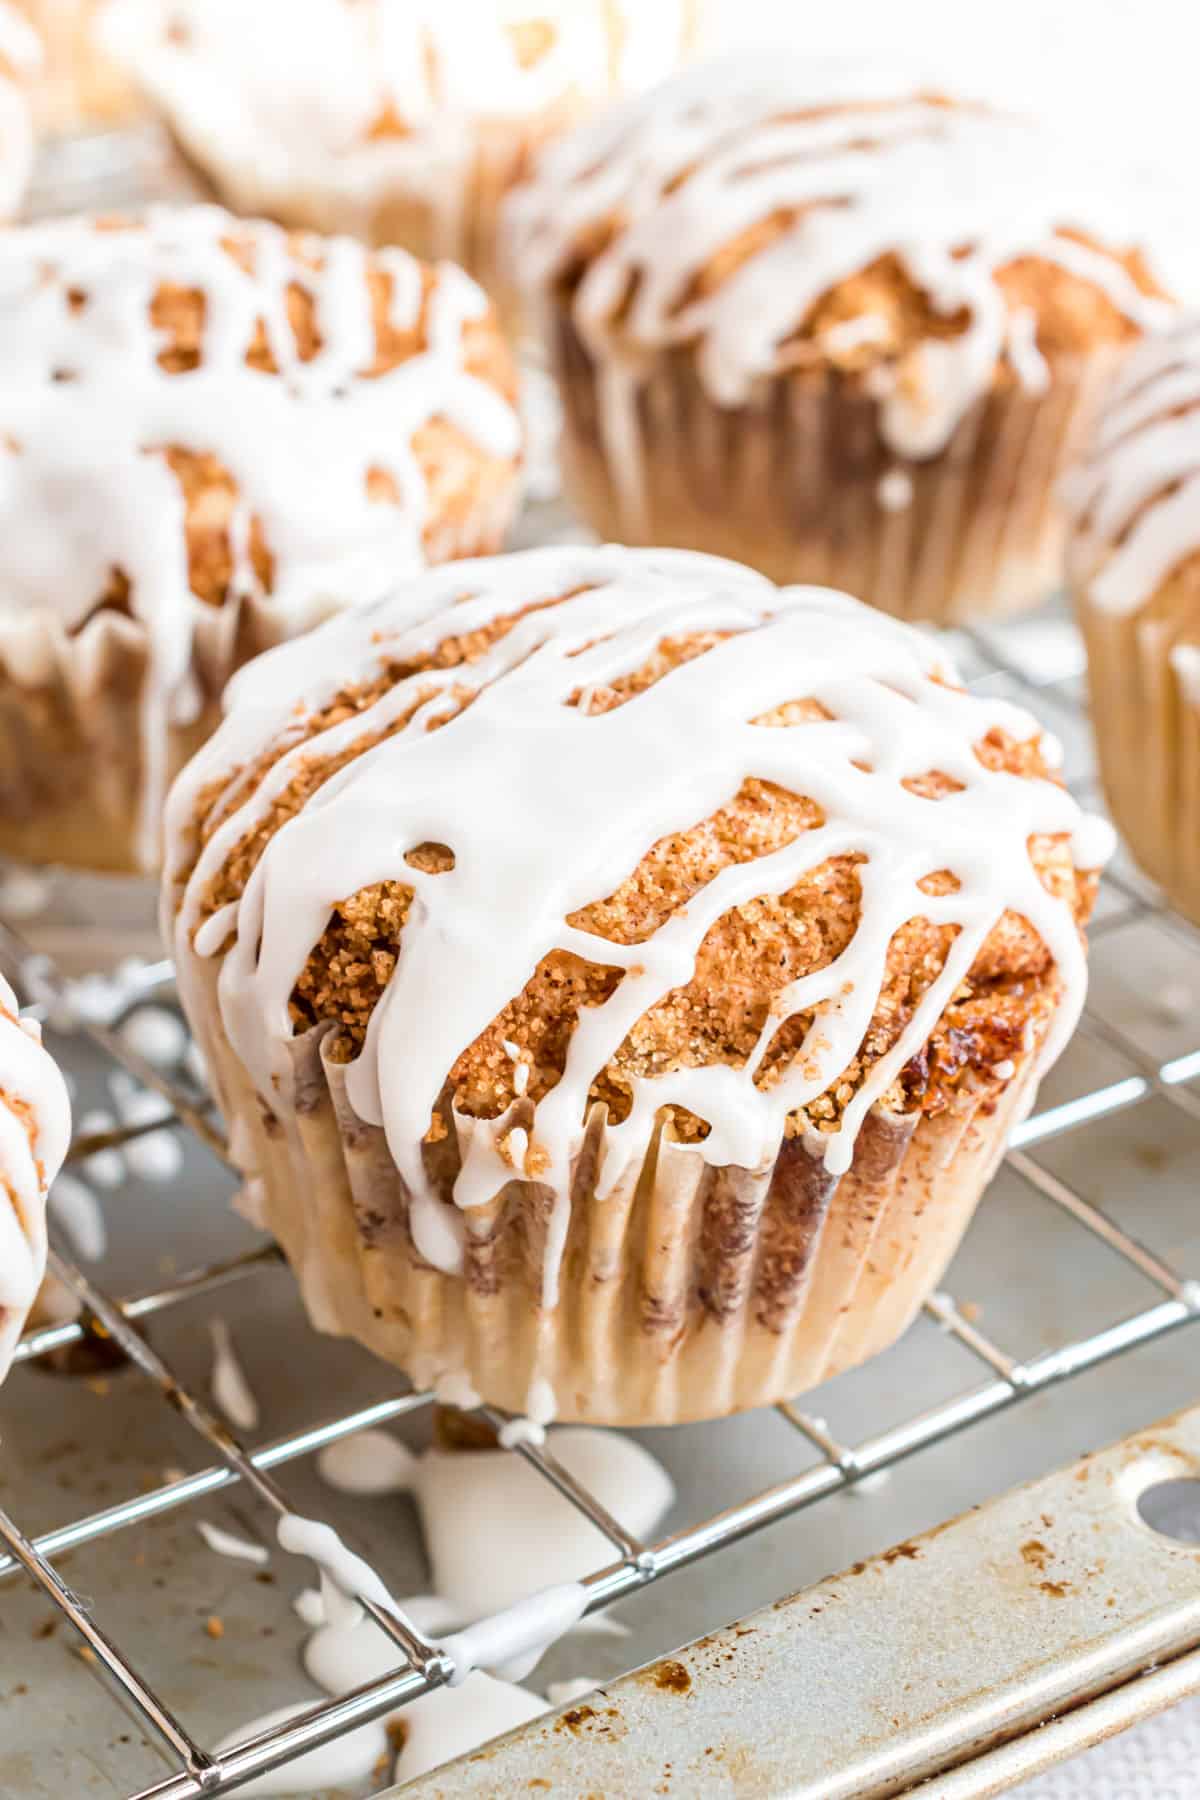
(954, 193)
(230, 1388)
(76, 1211)
(1136, 494)
(537, 1545)
(344, 1762)
(33, 1097)
(547, 809)
(283, 111)
(368, 1462)
(86, 411)
(495, 1530)
(20, 59)
(227, 1543)
(451, 1722)
(512, 1639)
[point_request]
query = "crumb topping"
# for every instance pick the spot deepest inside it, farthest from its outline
(748, 958)
(231, 547)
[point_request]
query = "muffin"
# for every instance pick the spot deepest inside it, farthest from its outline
(586, 1045)
(80, 85)
(35, 1129)
(402, 121)
(830, 324)
(19, 61)
(1134, 572)
(211, 436)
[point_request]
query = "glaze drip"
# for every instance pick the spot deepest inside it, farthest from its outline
(35, 1129)
(715, 214)
(102, 414)
(1136, 496)
(571, 803)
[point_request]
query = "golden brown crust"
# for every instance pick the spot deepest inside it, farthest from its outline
(462, 480)
(1072, 314)
(747, 959)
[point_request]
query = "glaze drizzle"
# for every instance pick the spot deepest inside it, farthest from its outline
(88, 413)
(546, 808)
(35, 1129)
(853, 163)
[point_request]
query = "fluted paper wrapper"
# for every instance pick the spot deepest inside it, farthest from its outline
(801, 484)
(88, 751)
(1147, 724)
(85, 753)
(688, 1292)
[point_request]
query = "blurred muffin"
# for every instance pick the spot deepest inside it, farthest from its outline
(402, 121)
(19, 63)
(582, 1039)
(211, 436)
(817, 319)
(1134, 571)
(80, 85)
(35, 1129)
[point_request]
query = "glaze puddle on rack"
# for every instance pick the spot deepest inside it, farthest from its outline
(1077, 1265)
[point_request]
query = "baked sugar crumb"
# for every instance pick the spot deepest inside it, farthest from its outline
(747, 962)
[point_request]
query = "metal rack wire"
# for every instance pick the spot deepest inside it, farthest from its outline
(1010, 1378)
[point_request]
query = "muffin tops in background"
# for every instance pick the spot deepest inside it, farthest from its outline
(323, 111)
(523, 833)
(78, 85)
(35, 1128)
(195, 408)
(1136, 493)
(20, 59)
(775, 213)
(199, 413)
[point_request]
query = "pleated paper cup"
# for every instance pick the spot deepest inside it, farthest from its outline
(87, 746)
(1144, 677)
(801, 484)
(688, 1292)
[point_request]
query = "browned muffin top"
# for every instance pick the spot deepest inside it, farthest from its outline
(770, 214)
(288, 404)
(796, 983)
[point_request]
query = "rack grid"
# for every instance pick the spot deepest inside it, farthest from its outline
(1009, 1378)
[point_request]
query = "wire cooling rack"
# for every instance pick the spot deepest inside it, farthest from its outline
(998, 661)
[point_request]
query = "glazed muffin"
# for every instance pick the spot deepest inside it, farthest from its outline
(212, 435)
(79, 84)
(619, 975)
(35, 1129)
(19, 61)
(402, 121)
(1134, 572)
(819, 320)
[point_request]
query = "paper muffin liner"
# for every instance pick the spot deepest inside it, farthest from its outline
(801, 484)
(688, 1292)
(87, 745)
(1147, 725)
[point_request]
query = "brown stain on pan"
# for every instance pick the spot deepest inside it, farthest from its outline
(672, 1678)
